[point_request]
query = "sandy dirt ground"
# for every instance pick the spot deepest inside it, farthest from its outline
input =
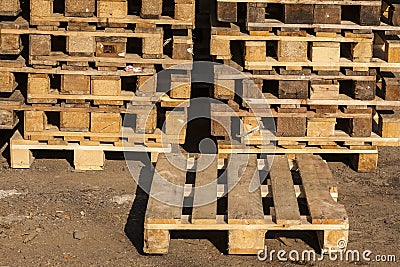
(52, 215)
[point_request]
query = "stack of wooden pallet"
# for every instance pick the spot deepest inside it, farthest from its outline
(328, 70)
(90, 64)
(10, 50)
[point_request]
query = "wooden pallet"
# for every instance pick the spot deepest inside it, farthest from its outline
(88, 156)
(110, 90)
(114, 13)
(305, 11)
(320, 126)
(291, 50)
(298, 84)
(80, 122)
(113, 47)
(246, 216)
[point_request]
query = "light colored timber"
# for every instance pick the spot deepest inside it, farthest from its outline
(204, 199)
(244, 206)
(284, 196)
(323, 209)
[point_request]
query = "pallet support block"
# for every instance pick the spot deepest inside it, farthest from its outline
(364, 162)
(108, 46)
(220, 48)
(153, 47)
(295, 51)
(89, 160)
(333, 240)
(361, 51)
(146, 119)
(156, 241)
(328, 89)
(182, 48)
(389, 125)
(151, 9)
(9, 8)
(112, 8)
(39, 45)
(7, 82)
(246, 241)
(291, 126)
(369, 15)
(255, 12)
(298, 13)
(391, 87)
(185, 10)
(21, 158)
(74, 121)
(327, 14)
(75, 84)
(81, 45)
(328, 52)
(256, 51)
(180, 86)
(227, 11)
(319, 127)
(392, 48)
(35, 121)
(80, 8)
(106, 86)
(41, 8)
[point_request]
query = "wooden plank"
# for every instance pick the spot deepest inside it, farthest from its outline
(244, 207)
(284, 197)
(167, 190)
(324, 173)
(323, 209)
(205, 191)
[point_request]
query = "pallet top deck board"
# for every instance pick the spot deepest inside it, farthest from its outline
(285, 201)
(323, 209)
(205, 190)
(244, 206)
(166, 201)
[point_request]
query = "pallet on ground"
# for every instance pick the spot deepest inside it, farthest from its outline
(9, 105)
(300, 12)
(88, 156)
(278, 203)
(113, 12)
